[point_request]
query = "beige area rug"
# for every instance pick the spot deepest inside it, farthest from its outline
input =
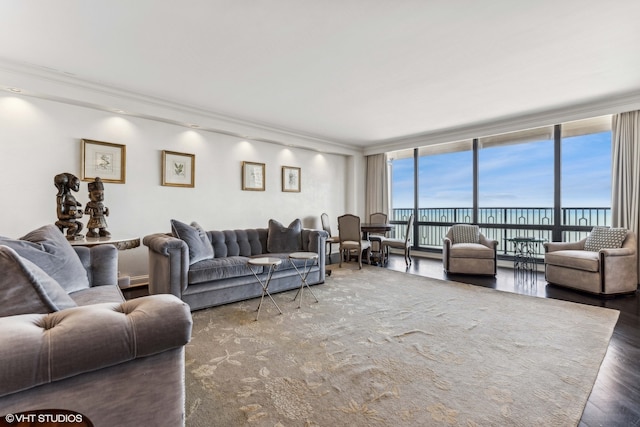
(383, 348)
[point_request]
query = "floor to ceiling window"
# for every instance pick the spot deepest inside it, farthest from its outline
(516, 184)
(552, 183)
(586, 175)
(445, 189)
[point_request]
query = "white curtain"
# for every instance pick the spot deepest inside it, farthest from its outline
(377, 185)
(625, 185)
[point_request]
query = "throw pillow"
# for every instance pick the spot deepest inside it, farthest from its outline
(196, 238)
(47, 248)
(465, 233)
(605, 238)
(26, 289)
(284, 239)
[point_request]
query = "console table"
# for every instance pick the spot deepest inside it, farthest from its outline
(130, 291)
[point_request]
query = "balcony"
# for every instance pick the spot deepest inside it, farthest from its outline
(502, 224)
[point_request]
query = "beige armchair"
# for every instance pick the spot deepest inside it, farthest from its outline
(467, 251)
(588, 266)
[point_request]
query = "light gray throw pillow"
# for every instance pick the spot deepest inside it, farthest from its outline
(26, 289)
(47, 248)
(283, 239)
(200, 247)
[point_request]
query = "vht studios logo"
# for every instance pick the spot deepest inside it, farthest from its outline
(46, 418)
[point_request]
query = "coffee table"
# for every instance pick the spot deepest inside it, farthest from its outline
(306, 256)
(270, 262)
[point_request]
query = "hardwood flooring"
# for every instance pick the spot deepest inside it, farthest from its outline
(615, 398)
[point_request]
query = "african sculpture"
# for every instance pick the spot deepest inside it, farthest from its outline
(96, 210)
(67, 207)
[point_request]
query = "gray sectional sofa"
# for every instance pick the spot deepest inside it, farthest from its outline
(69, 341)
(209, 268)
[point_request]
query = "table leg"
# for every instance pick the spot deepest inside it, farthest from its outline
(265, 289)
(303, 277)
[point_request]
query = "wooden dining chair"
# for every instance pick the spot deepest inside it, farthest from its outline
(331, 240)
(376, 239)
(351, 238)
(400, 243)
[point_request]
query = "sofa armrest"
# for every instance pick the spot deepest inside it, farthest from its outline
(446, 249)
(564, 246)
(493, 244)
(37, 349)
(316, 242)
(168, 264)
(101, 263)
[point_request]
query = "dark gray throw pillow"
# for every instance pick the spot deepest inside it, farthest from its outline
(284, 239)
(47, 248)
(196, 238)
(26, 289)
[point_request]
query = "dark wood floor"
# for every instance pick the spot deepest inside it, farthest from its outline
(615, 398)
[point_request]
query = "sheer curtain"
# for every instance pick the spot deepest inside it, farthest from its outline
(625, 185)
(377, 185)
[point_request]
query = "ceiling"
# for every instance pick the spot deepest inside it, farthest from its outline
(355, 72)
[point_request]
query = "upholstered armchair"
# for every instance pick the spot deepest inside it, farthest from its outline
(467, 251)
(604, 263)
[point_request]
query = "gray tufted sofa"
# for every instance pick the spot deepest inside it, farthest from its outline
(226, 278)
(100, 355)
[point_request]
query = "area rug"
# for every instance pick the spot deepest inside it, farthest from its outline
(384, 348)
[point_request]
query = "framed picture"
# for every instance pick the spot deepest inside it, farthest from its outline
(104, 160)
(253, 176)
(178, 169)
(290, 179)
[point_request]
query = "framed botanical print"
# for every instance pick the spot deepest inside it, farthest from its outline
(253, 176)
(178, 169)
(103, 160)
(291, 179)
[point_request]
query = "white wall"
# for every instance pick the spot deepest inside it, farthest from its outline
(41, 138)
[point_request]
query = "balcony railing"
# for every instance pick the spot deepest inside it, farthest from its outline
(501, 224)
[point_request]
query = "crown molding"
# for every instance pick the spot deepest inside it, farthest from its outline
(59, 86)
(613, 104)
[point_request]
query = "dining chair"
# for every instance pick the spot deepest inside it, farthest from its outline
(376, 239)
(351, 238)
(331, 240)
(404, 244)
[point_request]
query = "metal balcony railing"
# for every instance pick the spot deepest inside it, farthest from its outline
(501, 224)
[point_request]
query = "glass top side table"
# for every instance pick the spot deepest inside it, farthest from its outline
(272, 263)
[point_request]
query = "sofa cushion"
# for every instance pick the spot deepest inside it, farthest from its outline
(47, 248)
(471, 250)
(605, 238)
(284, 239)
(26, 289)
(219, 268)
(465, 233)
(576, 259)
(98, 295)
(196, 238)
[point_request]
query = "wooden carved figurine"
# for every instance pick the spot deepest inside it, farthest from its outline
(67, 207)
(97, 210)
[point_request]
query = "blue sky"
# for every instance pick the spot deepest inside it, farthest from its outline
(519, 175)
